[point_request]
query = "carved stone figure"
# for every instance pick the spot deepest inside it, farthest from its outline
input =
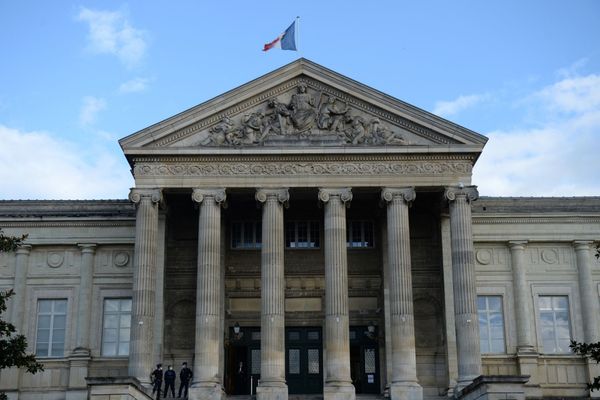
(276, 121)
(330, 117)
(383, 135)
(252, 127)
(302, 110)
(223, 133)
(357, 133)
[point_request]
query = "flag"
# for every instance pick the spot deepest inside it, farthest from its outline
(285, 41)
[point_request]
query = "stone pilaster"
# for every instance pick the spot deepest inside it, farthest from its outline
(589, 302)
(522, 298)
(19, 299)
(207, 383)
(272, 345)
(465, 288)
(338, 383)
(404, 362)
(82, 345)
(527, 356)
(144, 282)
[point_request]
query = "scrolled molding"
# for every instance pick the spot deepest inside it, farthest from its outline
(345, 194)
(281, 194)
(407, 194)
(218, 194)
(136, 195)
(517, 244)
(470, 193)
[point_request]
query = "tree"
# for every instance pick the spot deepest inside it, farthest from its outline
(591, 350)
(13, 347)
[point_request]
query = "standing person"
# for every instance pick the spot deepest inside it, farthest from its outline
(185, 376)
(156, 378)
(170, 376)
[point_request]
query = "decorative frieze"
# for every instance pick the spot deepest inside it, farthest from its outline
(363, 168)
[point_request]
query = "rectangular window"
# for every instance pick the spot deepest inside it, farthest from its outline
(302, 235)
(116, 327)
(555, 323)
(246, 235)
(491, 324)
(359, 234)
(51, 325)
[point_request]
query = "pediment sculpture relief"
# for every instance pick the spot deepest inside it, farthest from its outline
(306, 118)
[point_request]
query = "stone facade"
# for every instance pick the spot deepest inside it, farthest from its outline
(305, 234)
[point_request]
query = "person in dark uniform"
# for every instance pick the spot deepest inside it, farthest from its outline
(185, 376)
(156, 378)
(170, 376)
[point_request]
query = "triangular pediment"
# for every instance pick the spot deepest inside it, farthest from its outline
(297, 106)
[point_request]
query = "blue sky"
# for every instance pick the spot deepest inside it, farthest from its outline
(77, 76)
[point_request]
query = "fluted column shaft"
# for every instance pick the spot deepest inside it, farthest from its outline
(465, 288)
(144, 282)
(404, 362)
(85, 299)
(20, 287)
(338, 383)
(589, 300)
(522, 299)
(272, 344)
(207, 382)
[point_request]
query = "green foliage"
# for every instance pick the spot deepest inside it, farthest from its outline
(13, 347)
(591, 350)
(10, 243)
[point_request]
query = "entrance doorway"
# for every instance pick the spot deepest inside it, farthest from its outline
(242, 365)
(364, 360)
(304, 360)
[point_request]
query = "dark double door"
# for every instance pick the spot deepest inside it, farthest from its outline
(304, 360)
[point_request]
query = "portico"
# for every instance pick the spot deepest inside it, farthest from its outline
(243, 159)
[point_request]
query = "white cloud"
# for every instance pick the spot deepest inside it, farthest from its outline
(572, 94)
(49, 168)
(134, 85)
(559, 157)
(111, 33)
(89, 110)
(461, 103)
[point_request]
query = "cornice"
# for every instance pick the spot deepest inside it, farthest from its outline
(65, 224)
(536, 220)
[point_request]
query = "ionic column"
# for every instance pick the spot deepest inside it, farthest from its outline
(84, 312)
(522, 298)
(19, 299)
(207, 383)
(338, 383)
(272, 342)
(144, 282)
(589, 297)
(404, 360)
(465, 289)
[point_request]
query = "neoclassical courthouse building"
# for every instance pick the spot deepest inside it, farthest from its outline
(304, 234)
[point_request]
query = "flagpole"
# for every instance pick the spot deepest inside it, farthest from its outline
(298, 34)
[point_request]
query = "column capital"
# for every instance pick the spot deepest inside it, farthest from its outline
(136, 195)
(470, 193)
(345, 194)
(407, 194)
(218, 194)
(517, 244)
(582, 244)
(87, 247)
(23, 249)
(281, 194)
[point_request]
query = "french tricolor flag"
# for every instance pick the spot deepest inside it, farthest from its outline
(285, 41)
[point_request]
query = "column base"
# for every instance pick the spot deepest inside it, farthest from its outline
(206, 391)
(406, 391)
(339, 391)
(272, 391)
